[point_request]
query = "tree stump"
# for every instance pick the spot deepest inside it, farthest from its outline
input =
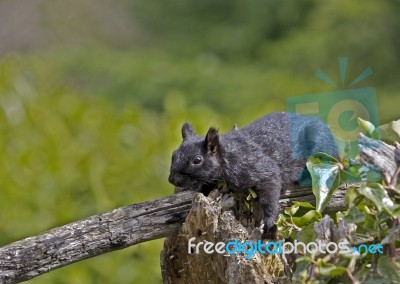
(213, 219)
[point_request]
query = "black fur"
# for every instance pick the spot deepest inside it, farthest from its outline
(268, 155)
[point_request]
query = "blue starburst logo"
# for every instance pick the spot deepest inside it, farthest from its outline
(340, 108)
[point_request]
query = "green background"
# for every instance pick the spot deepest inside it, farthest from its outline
(93, 95)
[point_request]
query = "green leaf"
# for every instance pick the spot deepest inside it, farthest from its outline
(376, 279)
(368, 128)
(354, 172)
(253, 193)
(304, 204)
(319, 157)
(378, 195)
(351, 194)
(300, 274)
(328, 269)
(304, 259)
(396, 211)
(390, 132)
(354, 215)
(392, 235)
(389, 269)
(307, 218)
(292, 209)
(326, 177)
(370, 226)
(307, 234)
(363, 272)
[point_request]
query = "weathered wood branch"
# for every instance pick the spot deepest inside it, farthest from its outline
(93, 236)
(110, 231)
(381, 157)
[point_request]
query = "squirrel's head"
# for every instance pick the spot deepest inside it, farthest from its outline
(197, 160)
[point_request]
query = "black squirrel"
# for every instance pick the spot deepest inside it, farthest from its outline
(268, 155)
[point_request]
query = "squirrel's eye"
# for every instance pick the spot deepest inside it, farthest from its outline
(197, 159)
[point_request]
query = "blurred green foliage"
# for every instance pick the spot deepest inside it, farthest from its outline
(89, 127)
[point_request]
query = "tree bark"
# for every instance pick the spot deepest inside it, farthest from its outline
(381, 157)
(93, 236)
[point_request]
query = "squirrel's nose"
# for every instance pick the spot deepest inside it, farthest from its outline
(171, 179)
(174, 179)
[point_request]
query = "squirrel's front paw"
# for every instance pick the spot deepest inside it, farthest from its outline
(269, 232)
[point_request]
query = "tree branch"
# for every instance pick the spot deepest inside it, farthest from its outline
(110, 231)
(93, 236)
(381, 157)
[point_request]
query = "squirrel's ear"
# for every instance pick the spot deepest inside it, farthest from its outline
(187, 130)
(212, 140)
